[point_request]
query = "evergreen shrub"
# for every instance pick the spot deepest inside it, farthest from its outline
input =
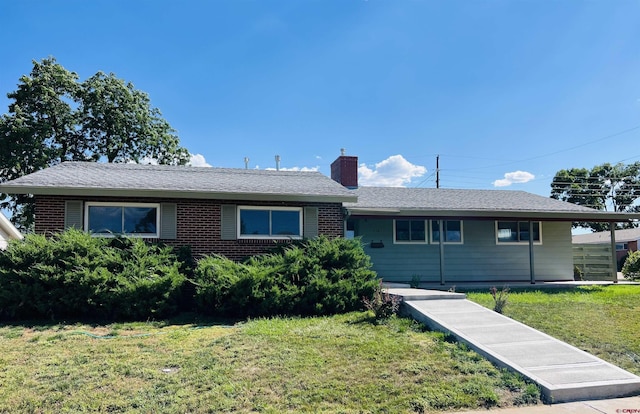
(313, 277)
(631, 268)
(72, 275)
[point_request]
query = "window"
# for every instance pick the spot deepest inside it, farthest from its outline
(269, 222)
(516, 231)
(622, 246)
(452, 231)
(409, 231)
(108, 219)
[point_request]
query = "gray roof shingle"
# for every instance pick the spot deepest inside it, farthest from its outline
(88, 178)
(468, 203)
(135, 180)
(452, 199)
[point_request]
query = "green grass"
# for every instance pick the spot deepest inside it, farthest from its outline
(338, 364)
(602, 320)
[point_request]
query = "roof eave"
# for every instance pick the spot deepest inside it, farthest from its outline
(498, 214)
(181, 194)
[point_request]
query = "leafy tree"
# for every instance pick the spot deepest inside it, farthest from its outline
(604, 187)
(53, 117)
(121, 125)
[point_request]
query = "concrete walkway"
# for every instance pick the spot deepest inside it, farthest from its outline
(563, 372)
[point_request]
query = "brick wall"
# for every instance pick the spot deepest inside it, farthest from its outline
(198, 223)
(49, 214)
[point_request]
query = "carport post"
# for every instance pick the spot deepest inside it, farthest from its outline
(441, 245)
(614, 261)
(531, 258)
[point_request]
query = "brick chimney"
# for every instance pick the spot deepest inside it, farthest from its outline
(345, 170)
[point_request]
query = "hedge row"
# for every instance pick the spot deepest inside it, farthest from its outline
(74, 275)
(317, 277)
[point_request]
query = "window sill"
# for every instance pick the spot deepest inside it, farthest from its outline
(521, 243)
(267, 241)
(133, 236)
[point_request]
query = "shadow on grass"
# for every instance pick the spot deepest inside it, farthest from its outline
(182, 319)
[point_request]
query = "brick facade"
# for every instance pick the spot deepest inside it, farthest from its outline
(49, 214)
(198, 222)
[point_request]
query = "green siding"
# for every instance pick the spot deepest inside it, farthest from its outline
(478, 259)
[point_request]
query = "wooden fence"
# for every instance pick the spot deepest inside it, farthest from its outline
(594, 260)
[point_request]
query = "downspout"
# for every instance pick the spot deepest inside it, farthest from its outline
(345, 217)
(441, 245)
(614, 261)
(531, 257)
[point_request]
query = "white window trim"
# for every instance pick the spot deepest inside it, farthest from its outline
(446, 242)
(518, 243)
(155, 235)
(269, 237)
(426, 230)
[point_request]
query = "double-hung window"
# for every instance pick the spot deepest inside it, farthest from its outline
(131, 219)
(269, 222)
(517, 232)
(409, 231)
(451, 231)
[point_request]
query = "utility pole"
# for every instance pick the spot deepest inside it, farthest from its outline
(437, 171)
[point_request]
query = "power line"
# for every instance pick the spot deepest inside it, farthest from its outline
(426, 178)
(630, 158)
(616, 134)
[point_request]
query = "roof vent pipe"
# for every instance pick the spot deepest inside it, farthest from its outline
(246, 163)
(277, 163)
(343, 152)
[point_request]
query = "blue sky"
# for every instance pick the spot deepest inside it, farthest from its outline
(507, 92)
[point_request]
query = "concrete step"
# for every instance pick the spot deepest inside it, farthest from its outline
(424, 294)
(563, 372)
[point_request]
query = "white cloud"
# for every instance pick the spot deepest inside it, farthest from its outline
(144, 161)
(395, 171)
(197, 160)
(294, 169)
(516, 177)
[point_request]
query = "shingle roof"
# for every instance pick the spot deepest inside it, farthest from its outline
(622, 236)
(135, 180)
(88, 178)
(467, 203)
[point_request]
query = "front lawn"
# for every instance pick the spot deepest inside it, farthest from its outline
(602, 320)
(341, 363)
